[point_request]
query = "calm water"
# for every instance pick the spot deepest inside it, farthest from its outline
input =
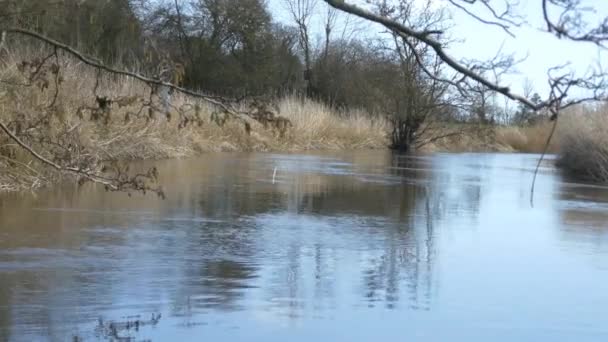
(341, 247)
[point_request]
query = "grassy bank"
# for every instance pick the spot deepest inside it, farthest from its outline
(583, 143)
(580, 142)
(54, 108)
(523, 139)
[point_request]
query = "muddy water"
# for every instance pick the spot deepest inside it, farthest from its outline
(335, 247)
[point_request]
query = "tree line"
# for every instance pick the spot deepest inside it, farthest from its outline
(236, 48)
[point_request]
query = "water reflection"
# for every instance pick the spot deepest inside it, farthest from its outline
(248, 243)
(584, 210)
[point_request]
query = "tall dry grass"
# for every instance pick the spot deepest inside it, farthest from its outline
(316, 126)
(463, 137)
(583, 143)
(128, 133)
(580, 141)
(527, 139)
(490, 138)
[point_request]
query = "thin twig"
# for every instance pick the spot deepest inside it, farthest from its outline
(215, 100)
(542, 156)
(38, 156)
(482, 20)
(437, 46)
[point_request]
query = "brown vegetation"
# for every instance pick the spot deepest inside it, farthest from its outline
(528, 138)
(491, 138)
(583, 143)
(120, 131)
(213, 76)
(107, 120)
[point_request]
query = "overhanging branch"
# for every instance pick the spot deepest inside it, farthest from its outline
(558, 92)
(426, 38)
(79, 172)
(213, 100)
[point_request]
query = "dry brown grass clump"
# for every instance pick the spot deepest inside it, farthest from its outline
(527, 139)
(316, 126)
(583, 143)
(488, 138)
(471, 137)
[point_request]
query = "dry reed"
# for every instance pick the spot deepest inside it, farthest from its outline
(128, 133)
(583, 143)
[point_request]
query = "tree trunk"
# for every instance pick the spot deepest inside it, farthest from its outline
(403, 136)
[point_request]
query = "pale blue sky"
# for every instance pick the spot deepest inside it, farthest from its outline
(480, 41)
(542, 49)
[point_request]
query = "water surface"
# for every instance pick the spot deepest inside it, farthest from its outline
(354, 246)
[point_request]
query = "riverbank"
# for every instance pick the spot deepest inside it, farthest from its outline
(519, 139)
(72, 116)
(583, 139)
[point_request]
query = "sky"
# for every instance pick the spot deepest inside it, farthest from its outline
(475, 40)
(541, 50)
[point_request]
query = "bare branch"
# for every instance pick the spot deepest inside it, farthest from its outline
(474, 72)
(85, 173)
(540, 160)
(570, 25)
(214, 100)
(501, 22)
(505, 18)
(424, 36)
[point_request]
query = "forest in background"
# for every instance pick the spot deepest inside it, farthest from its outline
(236, 48)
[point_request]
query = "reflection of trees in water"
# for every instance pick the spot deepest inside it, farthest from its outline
(7, 309)
(293, 279)
(388, 212)
(417, 195)
(46, 271)
(410, 198)
(406, 260)
(431, 190)
(222, 283)
(583, 212)
(399, 250)
(324, 267)
(456, 185)
(217, 268)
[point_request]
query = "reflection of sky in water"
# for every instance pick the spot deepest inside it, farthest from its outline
(347, 246)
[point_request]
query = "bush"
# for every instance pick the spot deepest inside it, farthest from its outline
(584, 144)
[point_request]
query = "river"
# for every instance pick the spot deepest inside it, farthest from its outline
(345, 246)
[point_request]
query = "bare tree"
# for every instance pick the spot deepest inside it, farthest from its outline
(301, 12)
(566, 19)
(481, 102)
(330, 22)
(528, 87)
(560, 81)
(419, 96)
